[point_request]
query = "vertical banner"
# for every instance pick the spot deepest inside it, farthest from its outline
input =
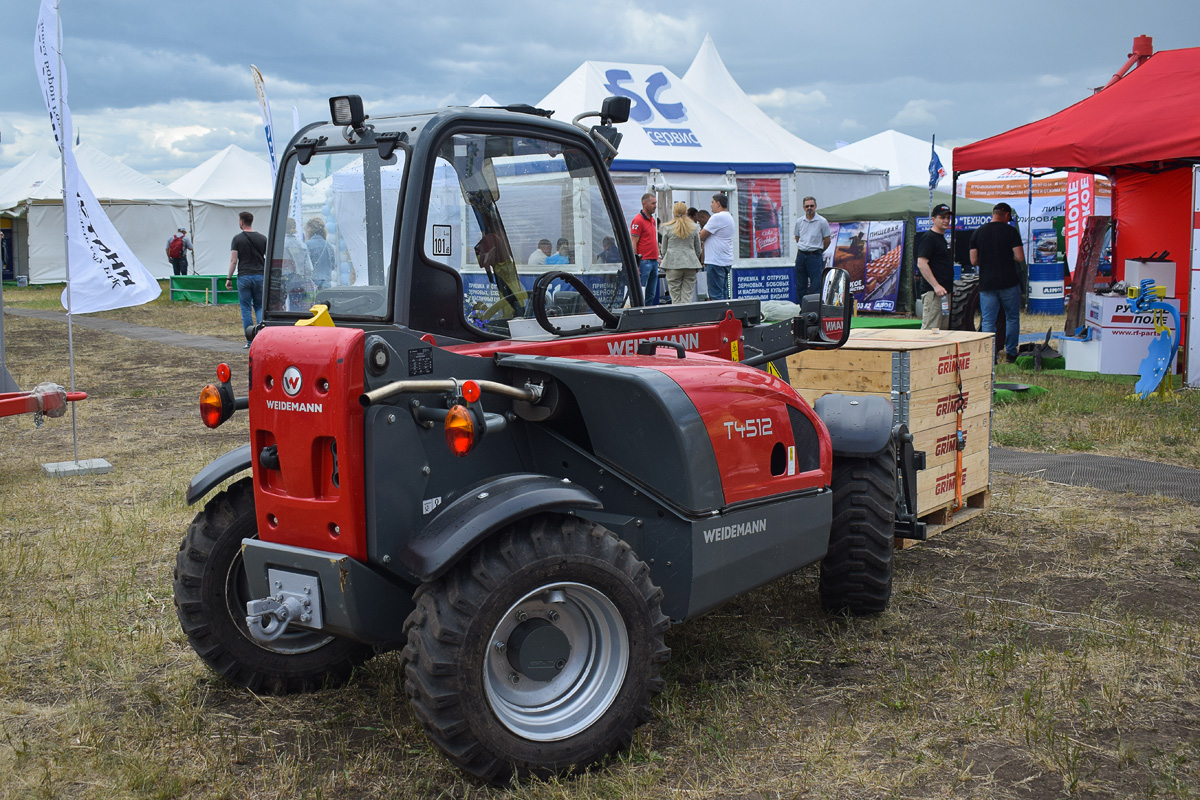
(104, 272)
(760, 217)
(1081, 204)
(264, 107)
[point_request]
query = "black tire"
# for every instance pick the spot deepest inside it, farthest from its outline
(455, 675)
(964, 305)
(856, 574)
(210, 599)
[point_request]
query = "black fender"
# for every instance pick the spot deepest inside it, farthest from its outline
(223, 467)
(482, 510)
(859, 426)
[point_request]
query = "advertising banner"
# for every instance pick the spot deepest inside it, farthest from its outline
(1081, 204)
(104, 272)
(1034, 213)
(760, 217)
(872, 253)
(481, 294)
(764, 283)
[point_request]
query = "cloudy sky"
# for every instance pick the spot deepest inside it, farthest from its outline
(162, 86)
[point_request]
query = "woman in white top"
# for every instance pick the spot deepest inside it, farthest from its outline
(680, 255)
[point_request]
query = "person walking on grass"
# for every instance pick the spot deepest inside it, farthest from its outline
(177, 247)
(997, 250)
(248, 255)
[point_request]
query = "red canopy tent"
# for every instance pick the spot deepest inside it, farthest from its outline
(1149, 120)
(1143, 131)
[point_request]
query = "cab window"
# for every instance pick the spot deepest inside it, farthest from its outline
(503, 210)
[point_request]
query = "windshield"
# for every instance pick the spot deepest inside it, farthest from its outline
(338, 222)
(503, 210)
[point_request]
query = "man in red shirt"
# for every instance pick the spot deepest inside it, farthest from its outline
(644, 231)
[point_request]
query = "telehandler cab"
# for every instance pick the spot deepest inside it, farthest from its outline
(514, 472)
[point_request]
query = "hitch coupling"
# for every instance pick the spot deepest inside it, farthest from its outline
(268, 618)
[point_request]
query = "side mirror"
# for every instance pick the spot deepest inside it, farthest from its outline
(836, 306)
(615, 110)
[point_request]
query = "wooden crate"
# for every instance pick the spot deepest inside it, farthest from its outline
(916, 370)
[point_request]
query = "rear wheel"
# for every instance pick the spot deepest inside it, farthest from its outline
(856, 574)
(539, 653)
(211, 591)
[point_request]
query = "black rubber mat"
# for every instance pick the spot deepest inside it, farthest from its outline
(1102, 472)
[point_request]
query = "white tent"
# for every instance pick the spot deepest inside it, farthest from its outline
(682, 146)
(906, 158)
(829, 177)
(142, 210)
(230, 182)
(485, 101)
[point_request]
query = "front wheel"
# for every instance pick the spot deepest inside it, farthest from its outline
(856, 574)
(538, 653)
(211, 592)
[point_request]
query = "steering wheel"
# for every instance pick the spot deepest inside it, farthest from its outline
(538, 302)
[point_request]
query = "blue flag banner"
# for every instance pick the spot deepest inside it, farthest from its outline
(936, 170)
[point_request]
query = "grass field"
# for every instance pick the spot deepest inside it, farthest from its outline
(1048, 648)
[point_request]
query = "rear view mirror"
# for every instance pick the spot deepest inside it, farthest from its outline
(615, 110)
(836, 305)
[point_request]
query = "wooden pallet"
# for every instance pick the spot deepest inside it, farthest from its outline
(941, 519)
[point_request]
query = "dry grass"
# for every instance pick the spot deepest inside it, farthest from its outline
(1046, 649)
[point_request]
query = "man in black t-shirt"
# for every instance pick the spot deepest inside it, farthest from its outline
(936, 267)
(248, 254)
(997, 250)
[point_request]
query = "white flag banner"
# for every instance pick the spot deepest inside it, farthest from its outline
(104, 272)
(264, 107)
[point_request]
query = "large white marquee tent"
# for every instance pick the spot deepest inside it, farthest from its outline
(906, 158)
(682, 143)
(830, 177)
(142, 210)
(230, 182)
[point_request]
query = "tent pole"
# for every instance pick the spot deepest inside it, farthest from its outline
(62, 156)
(953, 225)
(192, 228)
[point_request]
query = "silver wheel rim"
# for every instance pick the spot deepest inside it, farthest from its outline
(588, 683)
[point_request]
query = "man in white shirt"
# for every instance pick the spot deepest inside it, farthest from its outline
(812, 240)
(538, 257)
(717, 238)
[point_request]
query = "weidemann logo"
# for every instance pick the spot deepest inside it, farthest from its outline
(734, 531)
(672, 137)
(287, 405)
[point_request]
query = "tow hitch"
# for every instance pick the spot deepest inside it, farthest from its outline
(296, 600)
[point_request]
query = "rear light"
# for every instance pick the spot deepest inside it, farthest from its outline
(460, 430)
(212, 409)
(217, 403)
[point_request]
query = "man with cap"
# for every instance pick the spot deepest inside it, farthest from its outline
(936, 266)
(177, 247)
(997, 250)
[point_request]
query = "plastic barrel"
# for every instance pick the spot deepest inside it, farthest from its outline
(1046, 288)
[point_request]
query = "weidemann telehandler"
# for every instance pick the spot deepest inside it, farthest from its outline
(514, 472)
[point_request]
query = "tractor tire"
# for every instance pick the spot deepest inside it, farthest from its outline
(589, 597)
(211, 592)
(856, 573)
(964, 305)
